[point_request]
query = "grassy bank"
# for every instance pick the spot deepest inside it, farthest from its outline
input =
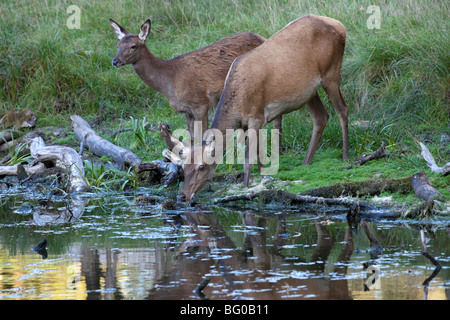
(396, 77)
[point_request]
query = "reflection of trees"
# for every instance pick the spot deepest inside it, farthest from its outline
(90, 269)
(92, 273)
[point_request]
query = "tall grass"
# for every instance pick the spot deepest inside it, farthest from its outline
(397, 75)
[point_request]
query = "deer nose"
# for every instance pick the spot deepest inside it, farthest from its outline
(115, 62)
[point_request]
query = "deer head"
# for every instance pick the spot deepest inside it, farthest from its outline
(199, 163)
(197, 175)
(130, 46)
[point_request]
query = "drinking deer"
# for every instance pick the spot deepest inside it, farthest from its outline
(191, 82)
(278, 77)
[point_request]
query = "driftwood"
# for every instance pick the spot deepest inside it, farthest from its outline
(166, 171)
(376, 155)
(426, 154)
(423, 187)
(69, 159)
(102, 147)
(22, 151)
(13, 170)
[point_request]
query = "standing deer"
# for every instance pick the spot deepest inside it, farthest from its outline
(191, 82)
(276, 78)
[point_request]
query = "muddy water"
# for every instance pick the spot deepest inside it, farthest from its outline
(109, 247)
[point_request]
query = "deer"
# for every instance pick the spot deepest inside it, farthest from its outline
(278, 77)
(192, 82)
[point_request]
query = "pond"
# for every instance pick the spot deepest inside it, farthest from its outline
(111, 247)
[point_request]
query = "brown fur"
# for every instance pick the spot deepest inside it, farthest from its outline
(276, 78)
(192, 82)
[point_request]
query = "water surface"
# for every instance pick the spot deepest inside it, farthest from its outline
(110, 247)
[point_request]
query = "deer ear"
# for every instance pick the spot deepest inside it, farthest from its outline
(145, 30)
(119, 31)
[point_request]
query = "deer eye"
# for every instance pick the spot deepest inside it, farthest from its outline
(201, 167)
(133, 47)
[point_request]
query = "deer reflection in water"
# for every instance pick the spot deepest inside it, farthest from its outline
(258, 271)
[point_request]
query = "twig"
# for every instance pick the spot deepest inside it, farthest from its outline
(376, 155)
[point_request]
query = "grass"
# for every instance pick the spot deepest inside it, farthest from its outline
(396, 77)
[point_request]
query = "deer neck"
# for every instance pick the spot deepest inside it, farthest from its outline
(156, 73)
(222, 122)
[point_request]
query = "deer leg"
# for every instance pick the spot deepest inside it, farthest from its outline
(190, 126)
(260, 153)
(251, 151)
(248, 165)
(277, 124)
(333, 91)
(320, 117)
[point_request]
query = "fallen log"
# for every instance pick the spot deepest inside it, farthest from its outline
(291, 198)
(102, 147)
(359, 188)
(166, 172)
(69, 159)
(376, 155)
(423, 187)
(354, 207)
